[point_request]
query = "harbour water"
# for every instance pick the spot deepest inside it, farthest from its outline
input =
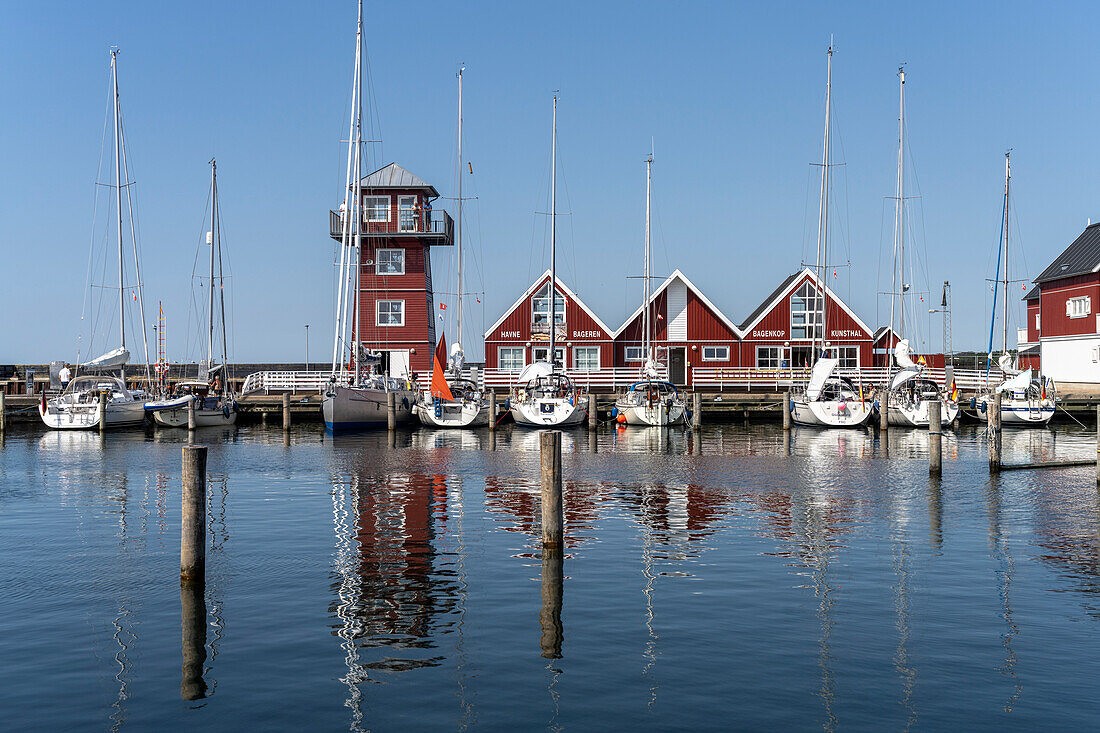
(735, 579)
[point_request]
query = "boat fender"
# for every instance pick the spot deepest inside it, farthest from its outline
(614, 412)
(507, 403)
(225, 410)
(405, 403)
(621, 419)
(973, 402)
(687, 412)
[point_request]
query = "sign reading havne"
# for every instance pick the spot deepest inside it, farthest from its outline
(510, 334)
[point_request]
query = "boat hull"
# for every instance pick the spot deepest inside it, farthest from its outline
(454, 415)
(653, 416)
(548, 412)
(1019, 412)
(120, 414)
(177, 418)
(916, 416)
(830, 413)
(360, 408)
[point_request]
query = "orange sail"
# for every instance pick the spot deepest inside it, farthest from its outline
(440, 388)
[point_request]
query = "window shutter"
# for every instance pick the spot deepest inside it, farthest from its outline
(1088, 305)
(1069, 307)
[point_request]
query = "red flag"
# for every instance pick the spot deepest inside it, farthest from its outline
(442, 306)
(439, 386)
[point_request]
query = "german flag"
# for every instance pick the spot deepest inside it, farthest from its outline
(954, 391)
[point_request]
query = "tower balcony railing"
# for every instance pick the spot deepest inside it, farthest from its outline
(432, 224)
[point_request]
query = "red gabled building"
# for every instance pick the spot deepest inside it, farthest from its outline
(522, 335)
(396, 303)
(688, 331)
(780, 333)
(1028, 349)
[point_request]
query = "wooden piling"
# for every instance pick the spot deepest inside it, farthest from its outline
(935, 437)
(193, 626)
(102, 411)
(286, 411)
(593, 416)
(191, 422)
(550, 470)
(492, 409)
(391, 410)
(696, 410)
(193, 524)
(550, 612)
(787, 410)
(3, 413)
(884, 410)
(993, 423)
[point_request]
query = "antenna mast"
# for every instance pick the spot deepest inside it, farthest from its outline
(899, 218)
(553, 234)
(118, 201)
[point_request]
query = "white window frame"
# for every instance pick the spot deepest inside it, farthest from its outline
(511, 349)
(378, 314)
(637, 351)
(715, 350)
(378, 256)
(851, 356)
(371, 205)
(559, 352)
(1079, 307)
(577, 366)
(812, 311)
(406, 204)
(778, 351)
(540, 316)
(1036, 323)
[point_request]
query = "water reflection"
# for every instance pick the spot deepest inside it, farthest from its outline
(552, 593)
(193, 624)
(999, 547)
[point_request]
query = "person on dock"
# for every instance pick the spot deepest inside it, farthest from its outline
(65, 375)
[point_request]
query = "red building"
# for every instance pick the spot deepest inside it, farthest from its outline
(522, 335)
(781, 331)
(1068, 333)
(396, 304)
(1028, 349)
(688, 332)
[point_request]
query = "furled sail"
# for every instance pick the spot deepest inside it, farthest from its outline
(1018, 383)
(111, 360)
(823, 369)
(901, 354)
(1004, 361)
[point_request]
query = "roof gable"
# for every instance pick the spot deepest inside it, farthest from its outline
(677, 275)
(394, 176)
(537, 285)
(1081, 257)
(785, 289)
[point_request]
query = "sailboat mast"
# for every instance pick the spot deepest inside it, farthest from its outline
(553, 233)
(358, 205)
(118, 202)
(823, 211)
(647, 343)
(1008, 183)
(458, 224)
(898, 286)
(210, 241)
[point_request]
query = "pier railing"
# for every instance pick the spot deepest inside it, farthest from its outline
(436, 224)
(277, 382)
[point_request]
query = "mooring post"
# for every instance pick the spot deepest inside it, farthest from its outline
(286, 411)
(492, 409)
(935, 436)
(193, 523)
(787, 410)
(993, 427)
(884, 410)
(1098, 445)
(102, 410)
(391, 410)
(696, 410)
(550, 469)
(3, 414)
(593, 416)
(191, 422)
(193, 626)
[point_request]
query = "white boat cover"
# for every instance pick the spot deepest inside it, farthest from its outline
(823, 369)
(110, 360)
(1005, 363)
(904, 375)
(901, 354)
(650, 369)
(535, 370)
(1020, 382)
(168, 404)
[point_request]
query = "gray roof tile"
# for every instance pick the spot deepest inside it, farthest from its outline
(394, 176)
(1081, 257)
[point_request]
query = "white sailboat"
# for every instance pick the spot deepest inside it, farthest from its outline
(78, 406)
(649, 401)
(215, 403)
(1027, 398)
(828, 400)
(452, 401)
(544, 395)
(352, 399)
(909, 392)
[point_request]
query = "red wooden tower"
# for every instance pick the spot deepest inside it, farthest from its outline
(396, 303)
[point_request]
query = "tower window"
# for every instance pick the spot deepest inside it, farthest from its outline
(391, 313)
(376, 208)
(389, 262)
(806, 313)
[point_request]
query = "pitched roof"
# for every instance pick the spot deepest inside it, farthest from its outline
(394, 176)
(1032, 294)
(677, 275)
(537, 284)
(784, 289)
(766, 306)
(1082, 256)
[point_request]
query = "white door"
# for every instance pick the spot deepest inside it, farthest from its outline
(399, 363)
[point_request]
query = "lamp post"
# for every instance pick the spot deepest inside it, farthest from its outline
(307, 347)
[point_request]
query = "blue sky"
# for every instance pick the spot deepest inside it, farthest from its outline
(731, 94)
